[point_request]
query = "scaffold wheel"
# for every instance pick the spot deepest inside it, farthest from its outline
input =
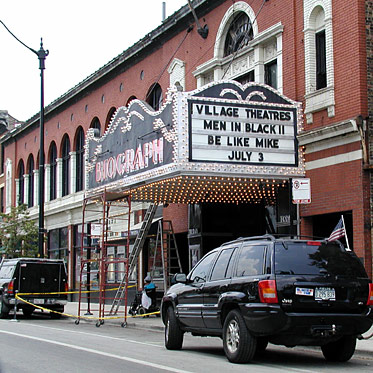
(77, 321)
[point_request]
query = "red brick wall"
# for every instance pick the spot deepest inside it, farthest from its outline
(178, 214)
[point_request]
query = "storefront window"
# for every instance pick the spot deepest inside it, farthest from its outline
(58, 244)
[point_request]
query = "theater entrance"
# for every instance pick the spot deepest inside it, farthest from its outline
(212, 224)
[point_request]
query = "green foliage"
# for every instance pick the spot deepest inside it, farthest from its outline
(18, 233)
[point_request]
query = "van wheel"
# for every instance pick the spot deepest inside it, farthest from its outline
(174, 336)
(27, 311)
(239, 345)
(4, 310)
(341, 350)
(55, 315)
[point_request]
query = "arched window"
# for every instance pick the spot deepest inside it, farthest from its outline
(21, 183)
(319, 62)
(109, 117)
(79, 153)
(154, 97)
(53, 171)
(96, 125)
(65, 166)
(130, 99)
(30, 171)
(239, 34)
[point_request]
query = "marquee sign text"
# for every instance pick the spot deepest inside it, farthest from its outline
(240, 133)
(130, 160)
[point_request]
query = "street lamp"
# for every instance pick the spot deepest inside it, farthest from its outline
(42, 54)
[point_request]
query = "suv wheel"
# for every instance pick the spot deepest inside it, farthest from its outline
(4, 311)
(239, 345)
(341, 350)
(261, 345)
(173, 334)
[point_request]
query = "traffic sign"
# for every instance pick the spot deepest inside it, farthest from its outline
(301, 191)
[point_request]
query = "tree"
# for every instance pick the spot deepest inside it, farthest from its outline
(18, 233)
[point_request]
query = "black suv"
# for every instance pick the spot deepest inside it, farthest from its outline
(42, 281)
(256, 290)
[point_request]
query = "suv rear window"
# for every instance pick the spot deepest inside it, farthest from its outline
(302, 258)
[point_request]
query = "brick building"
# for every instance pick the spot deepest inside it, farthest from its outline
(296, 47)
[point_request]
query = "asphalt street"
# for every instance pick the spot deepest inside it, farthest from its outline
(38, 344)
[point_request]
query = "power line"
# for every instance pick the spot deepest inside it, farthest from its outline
(190, 28)
(217, 40)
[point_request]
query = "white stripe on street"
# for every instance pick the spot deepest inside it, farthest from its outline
(90, 350)
(96, 335)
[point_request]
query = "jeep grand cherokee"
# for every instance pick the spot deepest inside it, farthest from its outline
(256, 290)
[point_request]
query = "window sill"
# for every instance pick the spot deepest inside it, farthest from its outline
(320, 100)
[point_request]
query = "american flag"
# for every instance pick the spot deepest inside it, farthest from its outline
(338, 231)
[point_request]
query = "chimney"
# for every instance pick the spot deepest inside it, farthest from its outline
(163, 11)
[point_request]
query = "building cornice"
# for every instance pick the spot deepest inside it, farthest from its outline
(320, 134)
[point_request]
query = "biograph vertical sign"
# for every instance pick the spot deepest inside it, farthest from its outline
(138, 142)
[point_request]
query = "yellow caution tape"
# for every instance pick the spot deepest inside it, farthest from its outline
(75, 292)
(17, 296)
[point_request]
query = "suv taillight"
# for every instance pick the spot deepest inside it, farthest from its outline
(10, 289)
(370, 295)
(267, 291)
(66, 287)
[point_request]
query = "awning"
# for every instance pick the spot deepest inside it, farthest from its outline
(135, 229)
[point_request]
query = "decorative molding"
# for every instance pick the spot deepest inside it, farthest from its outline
(329, 132)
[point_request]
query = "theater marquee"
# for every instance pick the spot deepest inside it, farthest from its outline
(221, 133)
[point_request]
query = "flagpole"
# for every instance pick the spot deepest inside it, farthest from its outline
(344, 227)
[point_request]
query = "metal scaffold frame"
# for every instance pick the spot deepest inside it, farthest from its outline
(106, 217)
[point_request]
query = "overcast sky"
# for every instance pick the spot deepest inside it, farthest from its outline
(81, 36)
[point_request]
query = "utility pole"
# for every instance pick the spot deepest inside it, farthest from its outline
(42, 54)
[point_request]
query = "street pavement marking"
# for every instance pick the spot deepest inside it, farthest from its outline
(90, 350)
(96, 335)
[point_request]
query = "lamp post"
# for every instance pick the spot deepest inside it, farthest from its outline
(42, 54)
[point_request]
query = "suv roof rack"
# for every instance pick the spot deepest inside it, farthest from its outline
(273, 237)
(268, 237)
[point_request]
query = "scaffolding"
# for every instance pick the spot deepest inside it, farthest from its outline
(133, 257)
(103, 263)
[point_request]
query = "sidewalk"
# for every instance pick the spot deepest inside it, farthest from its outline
(152, 322)
(364, 347)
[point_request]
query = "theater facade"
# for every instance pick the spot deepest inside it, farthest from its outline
(212, 122)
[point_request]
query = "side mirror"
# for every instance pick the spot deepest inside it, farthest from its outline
(179, 277)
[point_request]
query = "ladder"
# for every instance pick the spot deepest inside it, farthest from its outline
(166, 254)
(137, 247)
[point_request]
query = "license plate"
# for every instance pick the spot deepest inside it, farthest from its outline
(38, 301)
(324, 294)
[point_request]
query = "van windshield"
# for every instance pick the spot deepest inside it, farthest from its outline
(310, 258)
(6, 271)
